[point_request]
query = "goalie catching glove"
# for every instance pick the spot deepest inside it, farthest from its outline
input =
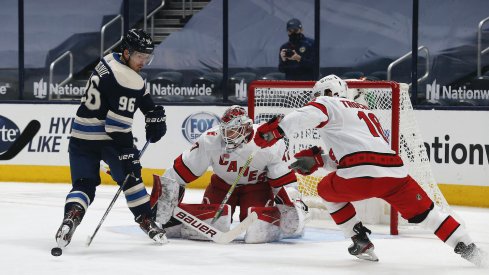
(269, 133)
(308, 161)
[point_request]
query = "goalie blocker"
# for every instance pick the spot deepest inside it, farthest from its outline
(193, 221)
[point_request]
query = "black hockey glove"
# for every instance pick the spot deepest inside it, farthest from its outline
(130, 161)
(155, 124)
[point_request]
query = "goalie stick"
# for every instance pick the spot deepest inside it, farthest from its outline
(211, 232)
(25, 137)
(231, 189)
(90, 238)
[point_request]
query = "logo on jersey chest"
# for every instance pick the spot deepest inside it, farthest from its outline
(231, 166)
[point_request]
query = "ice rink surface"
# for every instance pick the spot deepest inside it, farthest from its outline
(31, 214)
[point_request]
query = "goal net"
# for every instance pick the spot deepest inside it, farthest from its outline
(391, 104)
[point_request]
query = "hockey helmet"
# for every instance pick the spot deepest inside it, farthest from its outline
(330, 85)
(235, 127)
(137, 40)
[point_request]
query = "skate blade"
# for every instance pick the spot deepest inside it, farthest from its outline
(368, 255)
(160, 239)
(60, 240)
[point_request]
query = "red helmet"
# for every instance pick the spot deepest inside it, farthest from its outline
(235, 126)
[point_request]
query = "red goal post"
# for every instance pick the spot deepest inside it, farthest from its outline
(387, 99)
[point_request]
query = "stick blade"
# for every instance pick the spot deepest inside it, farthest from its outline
(25, 137)
(231, 235)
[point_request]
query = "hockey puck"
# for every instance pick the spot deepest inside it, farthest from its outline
(56, 251)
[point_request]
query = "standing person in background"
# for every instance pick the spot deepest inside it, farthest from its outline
(102, 130)
(297, 55)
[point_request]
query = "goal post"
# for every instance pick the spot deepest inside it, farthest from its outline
(387, 99)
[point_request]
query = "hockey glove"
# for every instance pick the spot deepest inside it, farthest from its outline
(269, 133)
(130, 161)
(308, 161)
(155, 124)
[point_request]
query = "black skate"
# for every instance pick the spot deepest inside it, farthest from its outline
(362, 247)
(149, 227)
(71, 220)
(471, 253)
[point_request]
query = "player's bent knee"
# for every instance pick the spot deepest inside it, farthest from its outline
(421, 217)
(87, 186)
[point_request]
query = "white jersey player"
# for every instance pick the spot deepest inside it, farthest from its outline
(365, 165)
(226, 149)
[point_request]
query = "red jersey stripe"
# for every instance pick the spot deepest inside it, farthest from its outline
(283, 180)
(183, 171)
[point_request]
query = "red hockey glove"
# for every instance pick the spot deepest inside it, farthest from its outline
(269, 133)
(308, 161)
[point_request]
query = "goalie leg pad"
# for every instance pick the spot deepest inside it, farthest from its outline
(165, 196)
(292, 220)
(266, 228)
(204, 212)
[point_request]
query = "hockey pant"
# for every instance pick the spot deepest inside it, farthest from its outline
(244, 196)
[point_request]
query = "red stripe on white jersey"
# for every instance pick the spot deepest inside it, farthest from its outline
(370, 158)
(283, 180)
(446, 228)
(344, 214)
(183, 171)
(323, 109)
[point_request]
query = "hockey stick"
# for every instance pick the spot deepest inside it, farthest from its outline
(231, 189)
(211, 232)
(25, 137)
(90, 238)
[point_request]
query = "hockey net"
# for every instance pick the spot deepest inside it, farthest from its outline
(391, 104)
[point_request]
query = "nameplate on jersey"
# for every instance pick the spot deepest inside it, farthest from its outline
(101, 69)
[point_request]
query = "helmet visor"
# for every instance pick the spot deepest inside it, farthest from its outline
(145, 58)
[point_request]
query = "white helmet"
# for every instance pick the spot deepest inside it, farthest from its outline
(235, 127)
(330, 85)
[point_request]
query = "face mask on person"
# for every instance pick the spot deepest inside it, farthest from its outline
(295, 37)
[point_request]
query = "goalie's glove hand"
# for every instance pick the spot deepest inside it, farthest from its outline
(269, 133)
(130, 160)
(155, 124)
(308, 161)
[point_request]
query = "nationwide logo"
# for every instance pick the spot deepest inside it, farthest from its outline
(241, 90)
(162, 90)
(41, 89)
(435, 91)
(8, 133)
(196, 124)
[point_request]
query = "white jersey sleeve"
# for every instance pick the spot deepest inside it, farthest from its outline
(193, 162)
(279, 174)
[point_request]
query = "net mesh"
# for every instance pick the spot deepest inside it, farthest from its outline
(271, 99)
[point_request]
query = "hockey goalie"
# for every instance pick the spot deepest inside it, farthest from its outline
(267, 186)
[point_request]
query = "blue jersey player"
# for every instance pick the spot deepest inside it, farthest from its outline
(102, 130)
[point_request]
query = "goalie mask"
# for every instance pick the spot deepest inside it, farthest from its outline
(235, 127)
(331, 85)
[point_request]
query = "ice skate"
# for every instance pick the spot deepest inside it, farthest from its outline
(149, 227)
(71, 220)
(362, 247)
(472, 254)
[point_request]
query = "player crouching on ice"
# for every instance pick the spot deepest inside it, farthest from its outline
(226, 149)
(366, 167)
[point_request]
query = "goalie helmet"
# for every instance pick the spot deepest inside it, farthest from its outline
(331, 85)
(235, 127)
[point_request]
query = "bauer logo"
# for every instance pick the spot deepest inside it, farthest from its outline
(8, 133)
(196, 124)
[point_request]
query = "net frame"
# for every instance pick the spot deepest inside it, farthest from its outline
(395, 115)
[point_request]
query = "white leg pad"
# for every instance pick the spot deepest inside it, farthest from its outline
(266, 228)
(167, 200)
(292, 220)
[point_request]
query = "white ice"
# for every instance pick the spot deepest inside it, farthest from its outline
(31, 213)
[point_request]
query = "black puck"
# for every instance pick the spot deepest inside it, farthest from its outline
(56, 251)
